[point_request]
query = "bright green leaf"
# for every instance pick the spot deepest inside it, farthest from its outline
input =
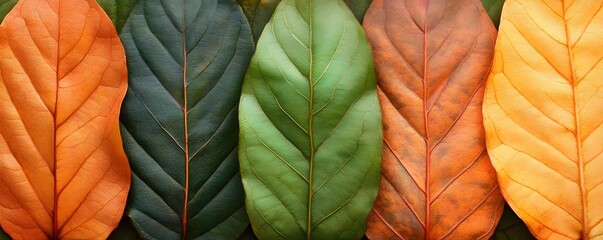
(310, 141)
(186, 62)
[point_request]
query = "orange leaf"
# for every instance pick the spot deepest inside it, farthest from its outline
(543, 113)
(432, 59)
(63, 171)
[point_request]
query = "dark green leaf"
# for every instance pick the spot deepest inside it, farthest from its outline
(3, 235)
(118, 11)
(511, 227)
(124, 231)
(259, 12)
(310, 141)
(189, 55)
(248, 234)
(358, 7)
(5, 7)
(494, 7)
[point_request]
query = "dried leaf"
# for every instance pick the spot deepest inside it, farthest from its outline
(432, 61)
(542, 114)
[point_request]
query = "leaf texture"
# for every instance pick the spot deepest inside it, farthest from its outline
(187, 60)
(63, 171)
(259, 12)
(542, 114)
(511, 227)
(310, 140)
(432, 59)
(494, 8)
(118, 11)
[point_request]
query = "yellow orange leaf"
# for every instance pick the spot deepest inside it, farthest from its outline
(63, 171)
(543, 114)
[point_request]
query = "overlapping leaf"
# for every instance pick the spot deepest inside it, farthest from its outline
(511, 227)
(186, 60)
(310, 141)
(542, 113)
(494, 8)
(118, 11)
(63, 171)
(5, 7)
(259, 12)
(432, 59)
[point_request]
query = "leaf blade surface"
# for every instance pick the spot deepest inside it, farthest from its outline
(432, 59)
(542, 115)
(65, 174)
(187, 60)
(310, 125)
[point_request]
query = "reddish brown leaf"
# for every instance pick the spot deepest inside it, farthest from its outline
(431, 77)
(63, 171)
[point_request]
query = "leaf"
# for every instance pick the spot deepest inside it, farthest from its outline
(118, 11)
(63, 171)
(310, 140)
(511, 227)
(124, 231)
(5, 7)
(259, 12)
(542, 114)
(358, 7)
(179, 119)
(248, 235)
(437, 181)
(494, 7)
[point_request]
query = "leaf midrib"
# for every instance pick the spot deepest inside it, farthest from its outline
(55, 215)
(577, 134)
(310, 129)
(426, 124)
(185, 112)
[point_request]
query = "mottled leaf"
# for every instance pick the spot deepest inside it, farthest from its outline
(432, 59)
(310, 125)
(542, 114)
(187, 60)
